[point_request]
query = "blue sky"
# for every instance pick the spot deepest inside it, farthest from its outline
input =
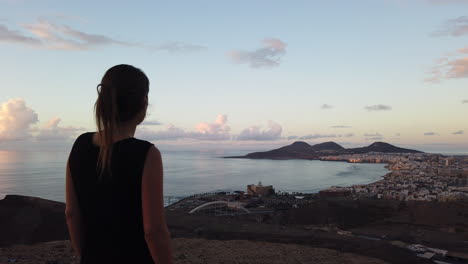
(243, 72)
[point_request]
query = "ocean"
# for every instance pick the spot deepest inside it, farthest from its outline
(42, 174)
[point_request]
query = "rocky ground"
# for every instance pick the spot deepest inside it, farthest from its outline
(191, 251)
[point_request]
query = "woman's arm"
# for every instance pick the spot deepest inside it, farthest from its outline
(154, 221)
(72, 213)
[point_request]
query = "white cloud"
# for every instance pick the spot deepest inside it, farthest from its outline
(378, 107)
(16, 120)
(268, 56)
(273, 132)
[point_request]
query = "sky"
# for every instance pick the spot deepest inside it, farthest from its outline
(241, 73)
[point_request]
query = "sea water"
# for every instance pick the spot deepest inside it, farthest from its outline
(42, 174)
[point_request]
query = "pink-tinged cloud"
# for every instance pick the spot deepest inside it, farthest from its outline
(457, 68)
(62, 37)
(267, 56)
(272, 132)
(449, 68)
(17, 122)
(217, 130)
(463, 50)
(13, 36)
(16, 119)
(52, 131)
(171, 133)
(47, 34)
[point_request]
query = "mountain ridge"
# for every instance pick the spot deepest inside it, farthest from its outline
(303, 150)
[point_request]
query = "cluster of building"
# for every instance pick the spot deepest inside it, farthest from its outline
(418, 176)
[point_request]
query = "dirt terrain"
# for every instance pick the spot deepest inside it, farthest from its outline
(192, 251)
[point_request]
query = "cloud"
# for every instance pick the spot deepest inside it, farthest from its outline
(459, 132)
(267, 56)
(464, 101)
(177, 47)
(12, 36)
(16, 119)
(340, 126)
(217, 130)
(172, 132)
(62, 37)
(378, 107)
(430, 134)
(463, 50)
(52, 131)
(326, 106)
(316, 136)
(151, 123)
(455, 68)
(17, 122)
(397, 134)
(454, 27)
(444, 2)
(273, 132)
(292, 137)
(47, 34)
(373, 135)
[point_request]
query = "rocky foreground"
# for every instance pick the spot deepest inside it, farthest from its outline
(337, 230)
(197, 251)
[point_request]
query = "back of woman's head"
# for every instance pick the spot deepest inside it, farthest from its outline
(122, 99)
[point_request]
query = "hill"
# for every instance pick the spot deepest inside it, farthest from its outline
(303, 150)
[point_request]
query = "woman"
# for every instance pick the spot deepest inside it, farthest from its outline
(114, 182)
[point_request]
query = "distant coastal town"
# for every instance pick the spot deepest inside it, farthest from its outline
(413, 176)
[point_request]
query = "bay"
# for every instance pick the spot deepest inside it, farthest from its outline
(42, 174)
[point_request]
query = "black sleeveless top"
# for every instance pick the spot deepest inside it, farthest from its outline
(110, 206)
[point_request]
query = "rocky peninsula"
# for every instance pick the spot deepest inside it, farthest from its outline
(302, 150)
